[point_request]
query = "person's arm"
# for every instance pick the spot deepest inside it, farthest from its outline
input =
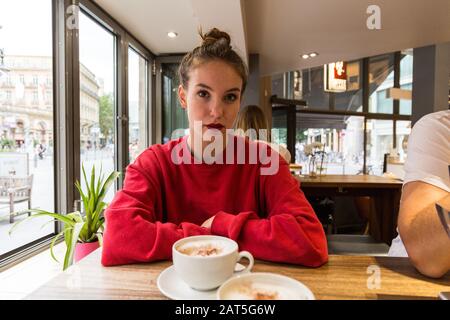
(290, 232)
(133, 231)
(420, 229)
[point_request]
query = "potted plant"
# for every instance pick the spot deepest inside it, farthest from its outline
(82, 231)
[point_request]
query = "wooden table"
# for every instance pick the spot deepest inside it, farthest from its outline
(343, 277)
(384, 192)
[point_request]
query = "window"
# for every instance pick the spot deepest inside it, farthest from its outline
(7, 79)
(35, 97)
(48, 96)
(311, 88)
(341, 137)
(406, 79)
(381, 78)
(379, 141)
(98, 91)
(35, 80)
(174, 117)
(406, 105)
(137, 103)
(384, 104)
(402, 136)
(26, 136)
(348, 147)
(279, 127)
(351, 99)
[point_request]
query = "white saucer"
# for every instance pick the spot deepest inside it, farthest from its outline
(281, 287)
(174, 288)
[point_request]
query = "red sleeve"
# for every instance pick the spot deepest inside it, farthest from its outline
(291, 233)
(133, 231)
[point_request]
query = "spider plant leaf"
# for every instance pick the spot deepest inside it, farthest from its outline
(85, 233)
(85, 179)
(73, 239)
(53, 244)
(92, 187)
(100, 239)
(83, 196)
(113, 176)
(47, 223)
(97, 216)
(99, 181)
(41, 213)
(76, 216)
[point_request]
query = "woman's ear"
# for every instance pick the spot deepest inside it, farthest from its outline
(182, 96)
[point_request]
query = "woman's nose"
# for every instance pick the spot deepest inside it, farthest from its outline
(216, 109)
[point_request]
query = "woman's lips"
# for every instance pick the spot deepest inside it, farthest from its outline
(215, 126)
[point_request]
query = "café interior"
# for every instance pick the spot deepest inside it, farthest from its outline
(90, 84)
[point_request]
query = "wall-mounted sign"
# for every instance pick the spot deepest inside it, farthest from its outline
(335, 76)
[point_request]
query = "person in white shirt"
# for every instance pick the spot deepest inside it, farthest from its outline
(422, 237)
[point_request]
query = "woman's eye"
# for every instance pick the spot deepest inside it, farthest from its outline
(203, 94)
(230, 97)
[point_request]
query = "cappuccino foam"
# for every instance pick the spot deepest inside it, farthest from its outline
(204, 248)
(259, 291)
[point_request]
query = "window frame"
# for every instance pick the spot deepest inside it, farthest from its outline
(292, 107)
(65, 83)
(23, 252)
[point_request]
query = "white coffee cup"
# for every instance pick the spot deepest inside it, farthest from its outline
(209, 271)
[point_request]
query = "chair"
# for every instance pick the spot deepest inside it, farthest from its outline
(15, 190)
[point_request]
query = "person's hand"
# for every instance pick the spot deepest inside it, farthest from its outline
(208, 223)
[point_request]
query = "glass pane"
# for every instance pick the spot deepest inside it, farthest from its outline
(137, 101)
(406, 79)
(174, 117)
(403, 131)
(379, 142)
(26, 119)
(279, 127)
(97, 98)
(342, 139)
(309, 86)
(381, 79)
(351, 100)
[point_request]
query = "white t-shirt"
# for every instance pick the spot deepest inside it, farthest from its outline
(428, 159)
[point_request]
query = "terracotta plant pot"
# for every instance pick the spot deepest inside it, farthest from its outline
(83, 249)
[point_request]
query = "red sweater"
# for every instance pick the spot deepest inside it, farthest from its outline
(162, 202)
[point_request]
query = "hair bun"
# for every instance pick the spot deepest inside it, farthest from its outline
(215, 37)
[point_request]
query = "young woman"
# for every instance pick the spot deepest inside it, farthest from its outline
(170, 192)
(252, 117)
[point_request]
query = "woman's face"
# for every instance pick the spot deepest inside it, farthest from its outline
(213, 96)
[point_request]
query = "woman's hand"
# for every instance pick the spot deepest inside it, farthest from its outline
(208, 223)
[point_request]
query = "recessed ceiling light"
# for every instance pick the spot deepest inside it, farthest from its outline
(313, 54)
(172, 34)
(305, 56)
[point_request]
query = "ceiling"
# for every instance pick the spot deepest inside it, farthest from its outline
(281, 30)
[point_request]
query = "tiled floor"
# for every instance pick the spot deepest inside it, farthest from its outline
(22, 279)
